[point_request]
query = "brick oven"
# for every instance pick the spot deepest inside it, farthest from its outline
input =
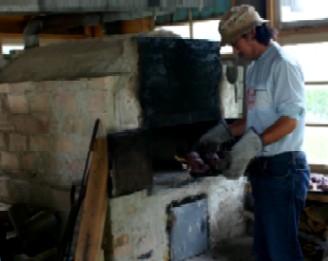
(178, 95)
(154, 97)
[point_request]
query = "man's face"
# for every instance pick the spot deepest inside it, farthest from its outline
(243, 46)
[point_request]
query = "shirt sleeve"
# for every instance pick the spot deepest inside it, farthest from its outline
(288, 91)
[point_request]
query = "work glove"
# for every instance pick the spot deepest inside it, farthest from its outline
(235, 162)
(214, 137)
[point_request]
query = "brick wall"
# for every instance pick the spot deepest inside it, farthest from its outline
(50, 97)
(45, 127)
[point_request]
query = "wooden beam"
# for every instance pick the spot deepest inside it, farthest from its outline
(14, 18)
(89, 242)
(94, 31)
(12, 27)
(137, 25)
(64, 36)
(46, 36)
(303, 31)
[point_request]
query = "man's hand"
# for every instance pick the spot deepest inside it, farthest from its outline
(195, 164)
(214, 137)
(236, 161)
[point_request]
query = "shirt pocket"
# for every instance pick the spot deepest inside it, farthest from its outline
(263, 99)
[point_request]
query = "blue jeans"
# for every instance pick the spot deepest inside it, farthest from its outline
(279, 187)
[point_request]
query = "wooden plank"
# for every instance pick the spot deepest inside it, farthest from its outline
(315, 196)
(95, 206)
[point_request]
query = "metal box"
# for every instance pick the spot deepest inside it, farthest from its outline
(188, 228)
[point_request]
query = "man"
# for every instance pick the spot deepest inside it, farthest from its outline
(271, 134)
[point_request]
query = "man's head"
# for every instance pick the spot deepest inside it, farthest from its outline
(237, 22)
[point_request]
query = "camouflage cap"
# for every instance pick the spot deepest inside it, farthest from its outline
(238, 21)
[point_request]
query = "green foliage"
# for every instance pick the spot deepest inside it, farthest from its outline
(316, 138)
(316, 145)
(317, 104)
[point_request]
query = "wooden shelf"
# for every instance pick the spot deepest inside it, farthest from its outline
(318, 196)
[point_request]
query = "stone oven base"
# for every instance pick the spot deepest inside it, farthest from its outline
(139, 220)
(236, 249)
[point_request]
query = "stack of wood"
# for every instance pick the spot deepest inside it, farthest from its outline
(314, 230)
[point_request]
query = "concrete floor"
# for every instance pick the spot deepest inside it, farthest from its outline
(239, 249)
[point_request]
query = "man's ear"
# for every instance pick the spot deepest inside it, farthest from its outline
(251, 34)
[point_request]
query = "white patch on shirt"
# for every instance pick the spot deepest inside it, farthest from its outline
(251, 98)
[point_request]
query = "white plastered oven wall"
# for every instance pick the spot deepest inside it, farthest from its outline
(138, 221)
(50, 98)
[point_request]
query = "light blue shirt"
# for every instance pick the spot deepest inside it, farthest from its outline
(275, 88)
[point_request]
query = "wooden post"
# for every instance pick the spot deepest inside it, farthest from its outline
(191, 24)
(271, 13)
(94, 207)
